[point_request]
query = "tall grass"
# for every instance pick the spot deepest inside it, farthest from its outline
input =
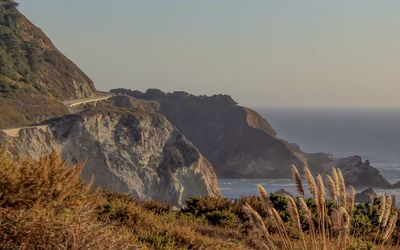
(328, 222)
(45, 205)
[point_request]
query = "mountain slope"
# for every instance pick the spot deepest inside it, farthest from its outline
(241, 144)
(34, 75)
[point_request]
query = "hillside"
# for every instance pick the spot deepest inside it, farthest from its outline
(240, 143)
(34, 75)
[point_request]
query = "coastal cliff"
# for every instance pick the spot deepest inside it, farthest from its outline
(240, 143)
(131, 151)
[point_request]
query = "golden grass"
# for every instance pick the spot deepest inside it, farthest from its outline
(334, 228)
(45, 205)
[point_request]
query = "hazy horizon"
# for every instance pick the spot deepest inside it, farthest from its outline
(262, 53)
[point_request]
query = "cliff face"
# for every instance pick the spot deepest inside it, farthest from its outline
(238, 142)
(241, 144)
(127, 150)
(34, 75)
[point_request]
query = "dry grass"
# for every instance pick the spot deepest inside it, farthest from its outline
(45, 205)
(333, 224)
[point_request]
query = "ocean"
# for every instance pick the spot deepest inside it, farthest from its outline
(374, 134)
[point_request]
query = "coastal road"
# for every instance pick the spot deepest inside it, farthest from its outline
(71, 106)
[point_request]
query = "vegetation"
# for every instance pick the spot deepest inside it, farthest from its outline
(321, 224)
(34, 75)
(19, 61)
(45, 205)
(23, 98)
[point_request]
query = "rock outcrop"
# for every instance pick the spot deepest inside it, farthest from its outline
(34, 75)
(359, 173)
(240, 143)
(368, 195)
(131, 150)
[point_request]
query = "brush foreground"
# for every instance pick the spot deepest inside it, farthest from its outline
(45, 205)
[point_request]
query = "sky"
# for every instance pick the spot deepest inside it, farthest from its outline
(309, 53)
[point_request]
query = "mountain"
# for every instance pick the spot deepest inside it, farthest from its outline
(127, 148)
(34, 75)
(240, 143)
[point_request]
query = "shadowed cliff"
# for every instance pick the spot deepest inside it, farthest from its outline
(240, 143)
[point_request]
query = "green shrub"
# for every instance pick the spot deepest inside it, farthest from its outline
(200, 206)
(224, 218)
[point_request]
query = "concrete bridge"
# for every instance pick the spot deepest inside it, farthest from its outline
(71, 106)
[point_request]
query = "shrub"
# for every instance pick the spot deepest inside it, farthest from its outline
(47, 182)
(199, 206)
(224, 218)
(157, 207)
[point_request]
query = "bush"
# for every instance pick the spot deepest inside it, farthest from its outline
(200, 206)
(157, 207)
(224, 218)
(47, 182)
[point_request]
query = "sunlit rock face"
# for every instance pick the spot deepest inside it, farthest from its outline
(132, 151)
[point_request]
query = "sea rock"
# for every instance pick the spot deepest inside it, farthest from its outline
(356, 172)
(359, 173)
(366, 196)
(131, 151)
(396, 185)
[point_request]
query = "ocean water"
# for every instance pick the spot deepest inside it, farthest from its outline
(374, 134)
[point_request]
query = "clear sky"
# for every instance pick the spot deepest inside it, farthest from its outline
(262, 52)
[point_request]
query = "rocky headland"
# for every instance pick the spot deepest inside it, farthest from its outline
(240, 143)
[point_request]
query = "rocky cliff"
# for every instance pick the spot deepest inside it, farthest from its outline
(34, 75)
(241, 144)
(127, 150)
(238, 142)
